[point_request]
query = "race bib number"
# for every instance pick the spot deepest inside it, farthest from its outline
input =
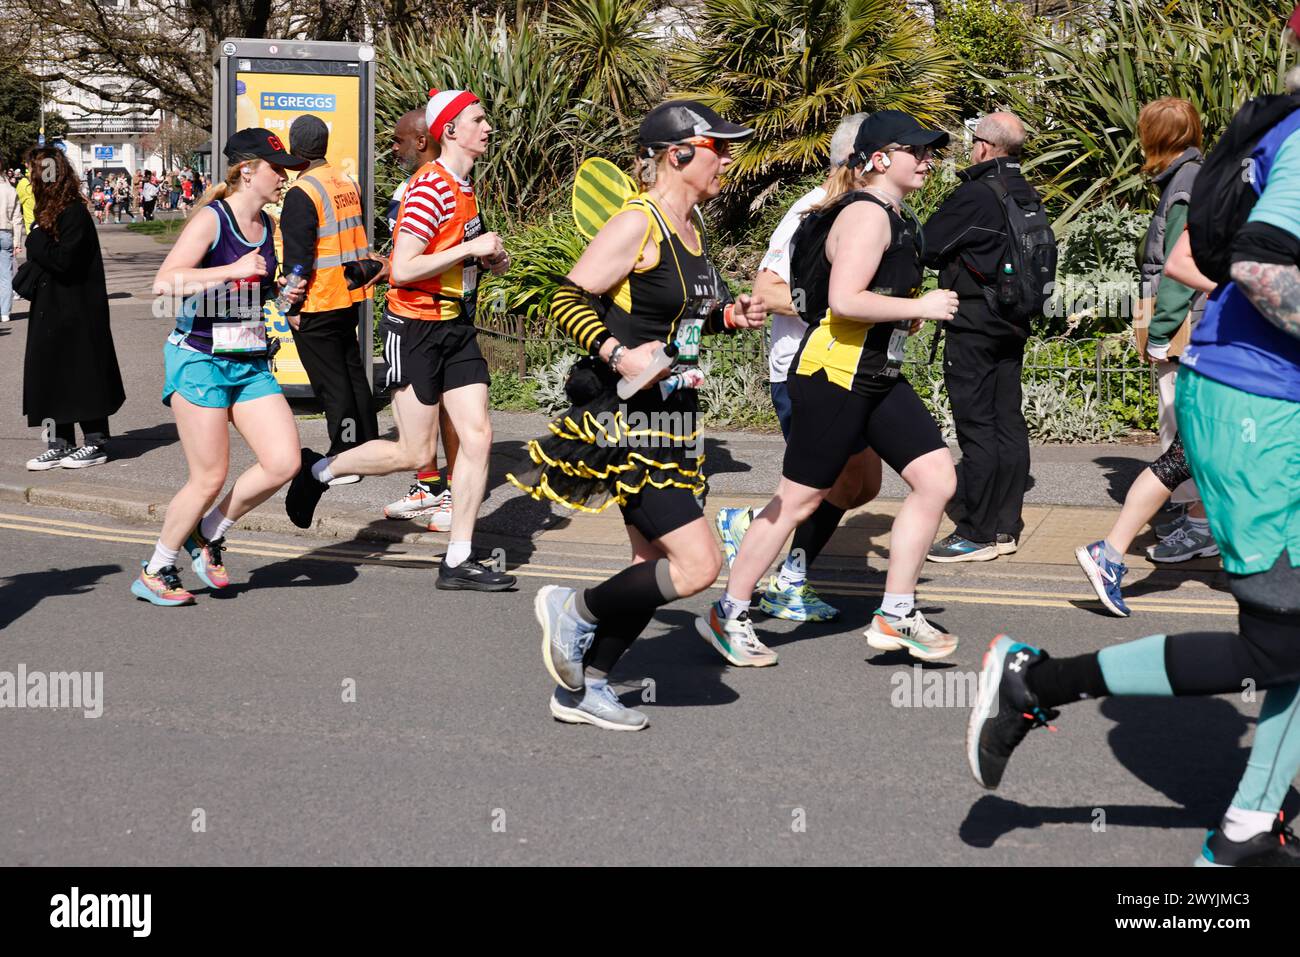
(469, 277)
(238, 338)
(897, 343)
(688, 340)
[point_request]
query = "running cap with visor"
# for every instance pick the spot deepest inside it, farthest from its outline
(892, 126)
(678, 120)
(257, 143)
(443, 107)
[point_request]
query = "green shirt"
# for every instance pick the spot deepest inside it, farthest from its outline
(1173, 299)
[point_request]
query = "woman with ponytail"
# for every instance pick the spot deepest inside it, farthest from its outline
(70, 371)
(219, 274)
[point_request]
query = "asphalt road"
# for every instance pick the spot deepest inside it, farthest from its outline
(235, 709)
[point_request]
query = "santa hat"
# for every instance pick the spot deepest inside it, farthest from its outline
(444, 106)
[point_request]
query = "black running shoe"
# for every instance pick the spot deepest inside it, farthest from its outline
(304, 491)
(1276, 848)
(470, 575)
(1005, 711)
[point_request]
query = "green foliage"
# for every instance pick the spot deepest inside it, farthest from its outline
(1105, 236)
(541, 253)
(509, 393)
(543, 126)
(607, 45)
(735, 395)
(989, 37)
(1081, 98)
(1066, 416)
(793, 69)
(20, 120)
(548, 384)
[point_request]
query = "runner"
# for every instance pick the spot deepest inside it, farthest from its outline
(430, 492)
(644, 280)
(431, 343)
(1238, 408)
(217, 370)
(788, 594)
(856, 260)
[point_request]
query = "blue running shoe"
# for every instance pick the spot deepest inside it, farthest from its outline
(565, 636)
(1005, 711)
(954, 548)
(732, 523)
(795, 603)
(1106, 576)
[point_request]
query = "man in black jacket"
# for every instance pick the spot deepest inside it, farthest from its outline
(966, 240)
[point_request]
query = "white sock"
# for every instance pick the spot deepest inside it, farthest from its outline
(1242, 825)
(792, 572)
(898, 605)
(214, 525)
(732, 608)
(457, 552)
(321, 471)
(1201, 525)
(162, 557)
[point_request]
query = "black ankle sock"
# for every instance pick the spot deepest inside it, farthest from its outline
(640, 587)
(816, 531)
(1058, 681)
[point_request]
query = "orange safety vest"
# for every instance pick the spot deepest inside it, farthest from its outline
(340, 238)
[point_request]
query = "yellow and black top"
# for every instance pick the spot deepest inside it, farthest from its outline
(680, 298)
(864, 357)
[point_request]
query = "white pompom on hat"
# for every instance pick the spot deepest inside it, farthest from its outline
(444, 106)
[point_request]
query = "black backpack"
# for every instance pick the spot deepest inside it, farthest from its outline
(1224, 193)
(1020, 294)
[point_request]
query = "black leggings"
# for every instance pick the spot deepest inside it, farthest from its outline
(65, 434)
(1172, 468)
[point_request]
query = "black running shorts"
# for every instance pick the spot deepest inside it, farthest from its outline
(432, 357)
(654, 512)
(830, 424)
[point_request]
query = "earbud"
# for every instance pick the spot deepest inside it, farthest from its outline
(885, 161)
(684, 154)
(451, 129)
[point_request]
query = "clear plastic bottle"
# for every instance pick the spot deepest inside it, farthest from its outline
(663, 358)
(293, 282)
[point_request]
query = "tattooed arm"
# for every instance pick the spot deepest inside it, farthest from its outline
(1273, 289)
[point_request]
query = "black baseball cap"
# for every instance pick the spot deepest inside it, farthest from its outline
(679, 120)
(892, 126)
(257, 143)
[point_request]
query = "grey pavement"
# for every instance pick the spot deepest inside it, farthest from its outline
(838, 755)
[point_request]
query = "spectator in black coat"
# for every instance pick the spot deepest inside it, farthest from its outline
(966, 240)
(70, 373)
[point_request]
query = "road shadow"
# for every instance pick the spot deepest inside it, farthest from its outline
(1120, 473)
(686, 672)
(21, 593)
(1188, 749)
(134, 443)
(718, 459)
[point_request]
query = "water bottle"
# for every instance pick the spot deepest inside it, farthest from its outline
(1007, 286)
(663, 358)
(687, 378)
(294, 281)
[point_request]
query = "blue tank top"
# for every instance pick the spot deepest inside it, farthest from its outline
(1233, 343)
(235, 301)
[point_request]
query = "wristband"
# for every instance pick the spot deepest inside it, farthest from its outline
(615, 356)
(727, 312)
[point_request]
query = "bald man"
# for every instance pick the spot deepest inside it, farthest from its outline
(429, 498)
(967, 241)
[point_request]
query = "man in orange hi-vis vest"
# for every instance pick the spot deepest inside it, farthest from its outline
(430, 342)
(324, 231)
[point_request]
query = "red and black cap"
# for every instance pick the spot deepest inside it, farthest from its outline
(892, 126)
(257, 143)
(678, 120)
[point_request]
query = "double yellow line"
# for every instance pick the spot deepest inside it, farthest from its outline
(354, 555)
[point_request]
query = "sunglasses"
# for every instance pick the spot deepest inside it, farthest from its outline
(721, 147)
(919, 153)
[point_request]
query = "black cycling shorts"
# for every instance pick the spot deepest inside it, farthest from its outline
(830, 424)
(654, 512)
(432, 357)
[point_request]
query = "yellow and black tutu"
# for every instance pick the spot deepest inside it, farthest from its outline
(604, 450)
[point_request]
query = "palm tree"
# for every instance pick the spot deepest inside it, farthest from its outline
(793, 68)
(608, 46)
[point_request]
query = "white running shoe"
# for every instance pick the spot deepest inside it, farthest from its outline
(921, 639)
(415, 502)
(344, 480)
(734, 639)
(440, 520)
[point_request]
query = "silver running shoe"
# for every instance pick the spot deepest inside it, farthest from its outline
(565, 636)
(598, 705)
(922, 639)
(1183, 544)
(734, 639)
